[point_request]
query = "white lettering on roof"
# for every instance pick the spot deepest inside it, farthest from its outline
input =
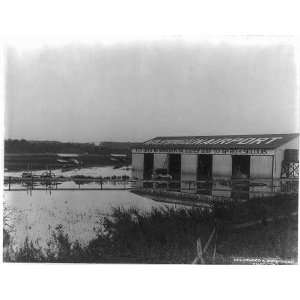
(214, 141)
(246, 141)
(274, 139)
(259, 141)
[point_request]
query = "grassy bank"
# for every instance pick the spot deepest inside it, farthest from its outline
(128, 236)
(272, 242)
(169, 236)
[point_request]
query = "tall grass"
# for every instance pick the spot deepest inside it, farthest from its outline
(256, 208)
(129, 236)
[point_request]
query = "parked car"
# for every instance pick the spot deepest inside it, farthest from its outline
(161, 174)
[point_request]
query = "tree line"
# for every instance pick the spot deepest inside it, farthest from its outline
(26, 146)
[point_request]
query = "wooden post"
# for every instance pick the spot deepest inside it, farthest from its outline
(101, 182)
(272, 182)
(9, 182)
(215, 249)
(209, 240)
(199, 253)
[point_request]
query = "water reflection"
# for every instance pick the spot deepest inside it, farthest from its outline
(36, 213)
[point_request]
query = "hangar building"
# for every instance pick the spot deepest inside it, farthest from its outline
(208, 163)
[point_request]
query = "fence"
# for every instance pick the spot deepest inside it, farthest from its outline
(58, 183)
(216, 186)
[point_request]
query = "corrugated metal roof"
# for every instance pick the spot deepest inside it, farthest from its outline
(254, 141)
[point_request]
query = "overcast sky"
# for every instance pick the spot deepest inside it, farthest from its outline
(135, 91)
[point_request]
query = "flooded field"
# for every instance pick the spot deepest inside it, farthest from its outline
(69, 179)
(92, 171)
(36, 214)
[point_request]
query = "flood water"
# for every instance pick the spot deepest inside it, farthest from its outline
(36, 214)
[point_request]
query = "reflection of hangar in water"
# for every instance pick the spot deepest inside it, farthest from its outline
(213, 164)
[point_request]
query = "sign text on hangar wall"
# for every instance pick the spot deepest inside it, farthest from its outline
(206, 151)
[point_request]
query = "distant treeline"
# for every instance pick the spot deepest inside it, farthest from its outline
(25, 146)
(118, 145)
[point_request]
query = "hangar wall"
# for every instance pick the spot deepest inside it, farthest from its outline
(261, 166)
(222, 166)
(137, 165)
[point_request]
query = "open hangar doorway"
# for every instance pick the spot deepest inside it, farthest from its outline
(148, 169)
(174, 169)
(204, 174)
(240, 176)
